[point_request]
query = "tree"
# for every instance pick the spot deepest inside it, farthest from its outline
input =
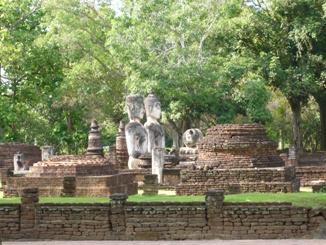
(281, 35)
(185, 54)
(30, 73)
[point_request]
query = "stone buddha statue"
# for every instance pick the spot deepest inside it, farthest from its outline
(190, 139)
(155, 132)
(156, 136)
(136, 135)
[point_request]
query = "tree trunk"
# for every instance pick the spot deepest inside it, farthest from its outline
(296, 120)
(322, 110)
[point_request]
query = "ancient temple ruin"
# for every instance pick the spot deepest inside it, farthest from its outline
(238, 146)
(237, 158)
(94, 174)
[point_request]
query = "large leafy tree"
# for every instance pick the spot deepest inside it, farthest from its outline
(184, 51)
(29, 74)
(283, 35)
(93, 79)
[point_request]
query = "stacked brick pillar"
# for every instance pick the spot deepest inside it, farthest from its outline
(214, 204)
(118, 218)
(28, 224)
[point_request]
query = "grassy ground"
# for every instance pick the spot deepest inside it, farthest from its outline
(302, 199)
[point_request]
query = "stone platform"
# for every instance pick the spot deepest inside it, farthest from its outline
(95, 186)
(197, 182)
(69, 165)
(94, 176)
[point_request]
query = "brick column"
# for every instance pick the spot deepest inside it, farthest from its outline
(214, 206)
(29, 201)
(150, 184)
(118, 219)
(69, 186)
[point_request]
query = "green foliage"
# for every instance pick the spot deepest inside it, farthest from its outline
(254, 97)
(66, 62)
(186, 53)
(286, 38)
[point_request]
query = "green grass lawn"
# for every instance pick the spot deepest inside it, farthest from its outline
(302, 199)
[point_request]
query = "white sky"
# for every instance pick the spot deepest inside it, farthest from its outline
(116, 4)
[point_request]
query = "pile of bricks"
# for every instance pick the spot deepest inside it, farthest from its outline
(237, 158)
(238, 146)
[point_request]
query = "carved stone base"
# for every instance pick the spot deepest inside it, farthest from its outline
(143, 162)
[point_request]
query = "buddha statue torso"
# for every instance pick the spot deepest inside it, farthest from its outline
(136, 135)
(155, 132)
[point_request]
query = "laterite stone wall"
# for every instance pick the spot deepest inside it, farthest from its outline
(119, 219)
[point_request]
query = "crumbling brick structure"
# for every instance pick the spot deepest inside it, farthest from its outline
(238, 146)
(31, 153)
(237, 158)
(95, 176)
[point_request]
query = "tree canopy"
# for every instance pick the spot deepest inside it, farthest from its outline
(66, 62)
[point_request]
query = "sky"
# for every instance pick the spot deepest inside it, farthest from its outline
(116, 4)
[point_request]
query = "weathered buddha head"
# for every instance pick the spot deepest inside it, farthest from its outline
(153, 107)
(191, 137)
(135, 107)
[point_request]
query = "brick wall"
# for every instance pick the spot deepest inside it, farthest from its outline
(9, 219)
(197, 182)
(312, 159)
(238, 146)
(159, 221)
(85, 186)
(74, 222)
(309, 174)
(31, 153)
(171, 176)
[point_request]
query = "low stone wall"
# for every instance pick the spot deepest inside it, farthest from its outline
(238, 187)
(312, 159)
(85, 186)
(158, 221)
(197, 182)
(9, 220)
(309, 174)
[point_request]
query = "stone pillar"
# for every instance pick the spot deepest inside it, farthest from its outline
(113, 156)
(214, 206)
(158, 163)
(19, 163)
(150, 184)
(29, 201)
(293, 157)
(69, 186)
(47, 152)
(121, 147)
(118, 218)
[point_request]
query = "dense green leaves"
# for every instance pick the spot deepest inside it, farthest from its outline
(66, 62)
